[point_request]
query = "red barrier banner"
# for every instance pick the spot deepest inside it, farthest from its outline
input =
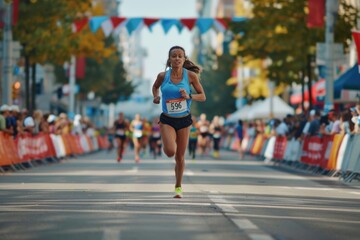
(312, 151)
(280, 148)
(37, 147)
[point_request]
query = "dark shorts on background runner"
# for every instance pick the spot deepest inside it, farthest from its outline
(122, 137)
(176, 123)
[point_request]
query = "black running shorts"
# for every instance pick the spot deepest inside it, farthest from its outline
(176, 123)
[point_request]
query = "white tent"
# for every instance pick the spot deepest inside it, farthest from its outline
(280, 109)
(242, 113)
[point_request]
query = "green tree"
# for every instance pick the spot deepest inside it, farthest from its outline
(45, 30)
(278, 31)
(219, 99)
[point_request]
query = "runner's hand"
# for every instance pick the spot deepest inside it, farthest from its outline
(183, 93)
(156, 100)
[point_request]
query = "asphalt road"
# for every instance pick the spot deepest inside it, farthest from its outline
(94, 197)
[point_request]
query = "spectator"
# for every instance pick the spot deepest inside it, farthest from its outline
(345, 122)
(28, 122)
(355, 112)
(5, 110)
(37, 116)
(281, 128)
(314, 126)
(52, 123)
(15, 114)
(2, 118)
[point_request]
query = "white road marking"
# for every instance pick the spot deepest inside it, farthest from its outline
(244, 224)
(256, 236)
(111, 234)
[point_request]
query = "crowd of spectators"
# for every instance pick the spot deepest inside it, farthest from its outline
(314, 123)
(17, 123)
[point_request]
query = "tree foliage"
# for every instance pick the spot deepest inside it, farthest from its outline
(44, 29)
(219, 99)
(278, 31)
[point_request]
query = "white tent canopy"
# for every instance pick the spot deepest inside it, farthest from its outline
(242, 112)
(280, 109)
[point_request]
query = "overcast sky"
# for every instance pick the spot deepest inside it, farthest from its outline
(157, 43)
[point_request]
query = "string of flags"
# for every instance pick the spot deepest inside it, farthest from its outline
(114, 24)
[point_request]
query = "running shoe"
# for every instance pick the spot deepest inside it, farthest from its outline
(119, 159)
(178, 192)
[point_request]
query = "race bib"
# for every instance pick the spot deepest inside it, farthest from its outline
(120, 132)
(178, 105)
(138, 133)
(203, 129)
(217, 135)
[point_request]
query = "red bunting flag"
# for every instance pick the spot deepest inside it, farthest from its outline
(150, 21)
(223, 22)
(188, 22)
(116, 21)
(356, 36)
(316, 13)
(80, 24)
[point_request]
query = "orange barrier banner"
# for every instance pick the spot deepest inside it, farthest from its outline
(257, 145)
(280, 148)
(334, 151)
(326, 149)
(8, 154)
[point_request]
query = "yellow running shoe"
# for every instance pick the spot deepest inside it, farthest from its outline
(178, 192)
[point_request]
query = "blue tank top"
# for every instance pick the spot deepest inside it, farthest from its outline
(172, 102)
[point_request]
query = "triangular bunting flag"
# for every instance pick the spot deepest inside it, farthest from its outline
(80, 24)
(150, 22)
(95, 22)
(116, 21)
(133, 24)
(223, 22)
(107, 27)
(168, 23)
(179, 26)
(239, 19)
(188, 22)
(204, 24)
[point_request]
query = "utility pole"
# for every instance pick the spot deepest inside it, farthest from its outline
(331, 11)
(71, 109)
(6, 55)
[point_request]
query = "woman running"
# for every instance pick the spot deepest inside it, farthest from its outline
(175, 119)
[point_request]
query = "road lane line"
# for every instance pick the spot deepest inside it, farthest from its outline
(244, 224)
(111, 234)
(256, 236)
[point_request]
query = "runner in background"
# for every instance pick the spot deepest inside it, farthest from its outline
(204, 138)
(136, 127)
(216, 130)
(155, 138)
(120, 127)
(193, 138)
(240, 136)
(146, 135)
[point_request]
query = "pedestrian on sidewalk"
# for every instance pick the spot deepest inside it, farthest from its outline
(175, 120)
